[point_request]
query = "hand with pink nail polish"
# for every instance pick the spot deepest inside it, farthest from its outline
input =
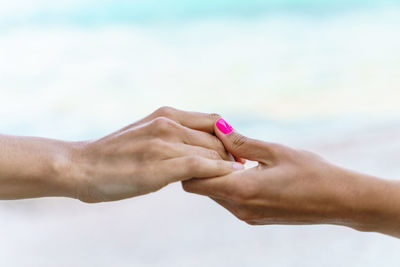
(291, 186)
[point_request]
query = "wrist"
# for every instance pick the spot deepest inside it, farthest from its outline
(369, 203)
(65, 169)
(380, 211)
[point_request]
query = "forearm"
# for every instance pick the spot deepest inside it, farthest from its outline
(34, 167)
(373, 204)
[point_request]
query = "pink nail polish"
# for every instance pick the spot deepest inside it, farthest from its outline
(223, 126)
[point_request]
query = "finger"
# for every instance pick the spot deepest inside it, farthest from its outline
(220, 187)
(184, 150)
(169, 130)
(206, 140)
(194, 120)
(241, 146)
(184, 168)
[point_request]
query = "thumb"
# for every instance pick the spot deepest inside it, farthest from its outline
(241, 146)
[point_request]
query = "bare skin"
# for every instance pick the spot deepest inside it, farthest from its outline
(167, 146)
(292, 186)
(288, 186)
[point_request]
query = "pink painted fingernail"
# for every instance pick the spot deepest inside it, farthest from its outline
(223, 126)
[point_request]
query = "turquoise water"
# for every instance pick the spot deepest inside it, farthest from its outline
(293, 60)
(91, 13)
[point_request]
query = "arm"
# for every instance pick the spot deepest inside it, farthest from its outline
(167, 146)
(34, 167)
(298, 187)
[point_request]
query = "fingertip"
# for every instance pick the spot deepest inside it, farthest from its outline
(214, 117)
(223, 126)
(187, 185)
(226, 167)
(237, 166)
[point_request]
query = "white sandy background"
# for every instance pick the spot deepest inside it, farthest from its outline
(330, 84)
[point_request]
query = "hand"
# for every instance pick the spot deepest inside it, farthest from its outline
(167, 146)
(292, 186)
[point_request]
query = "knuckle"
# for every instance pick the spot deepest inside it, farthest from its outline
(161, 121)
(162, 125)
(193, 162)
(238, 140)
(310, 155)
(186, 185)
(214, 154)
(214, 116)
(165, 111)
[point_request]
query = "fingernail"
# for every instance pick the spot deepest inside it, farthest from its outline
(238, 166)
(223, 126)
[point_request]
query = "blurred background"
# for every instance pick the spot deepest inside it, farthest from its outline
(321, 75)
